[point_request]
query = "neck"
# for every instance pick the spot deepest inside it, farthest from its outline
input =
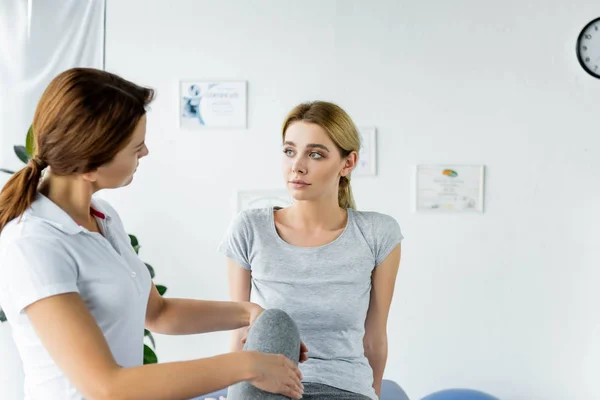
(71, 193)
(322, 213)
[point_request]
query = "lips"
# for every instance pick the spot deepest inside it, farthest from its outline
(297, 184)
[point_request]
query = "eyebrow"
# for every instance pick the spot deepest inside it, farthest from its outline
(310, 145)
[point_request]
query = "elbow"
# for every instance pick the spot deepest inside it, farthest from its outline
(109, 389)
(376, 345)
(106, 392)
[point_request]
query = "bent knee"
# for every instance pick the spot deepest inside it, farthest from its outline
(275, 317)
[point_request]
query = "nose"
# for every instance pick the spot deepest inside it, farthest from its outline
(144, 152)
(298, 167)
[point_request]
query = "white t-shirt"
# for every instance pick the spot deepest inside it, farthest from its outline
(46, 253)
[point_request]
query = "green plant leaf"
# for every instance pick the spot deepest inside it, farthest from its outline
(150, 269)
(148, 334)
(134, 243)
(29, 141)
(21, 152)
(149, 355)
(7, 171)
(2, 316)
(161, 289)
(134, 240)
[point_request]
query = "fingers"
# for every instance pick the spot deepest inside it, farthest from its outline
(295, 376)
(303, 352)
(303, 357)
(294, 368)
(303, 348)
(293, 392)
(294, 388)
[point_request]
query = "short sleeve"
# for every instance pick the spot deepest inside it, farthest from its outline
(235, 244)
(387, 236)
(35, 268)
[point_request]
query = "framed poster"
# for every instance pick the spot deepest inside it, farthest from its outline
(449, 188)
(212, 104)
(263, 198)
(367, 156)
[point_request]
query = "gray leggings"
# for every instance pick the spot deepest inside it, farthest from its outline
(275, 332)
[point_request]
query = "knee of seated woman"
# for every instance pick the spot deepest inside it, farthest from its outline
(274, 316)
(274, 320)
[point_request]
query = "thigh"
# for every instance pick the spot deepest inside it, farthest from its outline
(317, 391)
(245, 391)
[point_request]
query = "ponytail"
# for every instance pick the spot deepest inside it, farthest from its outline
(20, 191)
(345, 197)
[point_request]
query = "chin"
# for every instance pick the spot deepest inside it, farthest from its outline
(301, 196)
(127, 182)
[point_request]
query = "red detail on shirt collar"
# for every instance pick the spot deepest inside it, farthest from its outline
(97, 213)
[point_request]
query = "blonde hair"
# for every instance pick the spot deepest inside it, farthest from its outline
(340, 129)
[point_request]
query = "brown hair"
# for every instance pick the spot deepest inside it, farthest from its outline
(83, 119)
(340, 128)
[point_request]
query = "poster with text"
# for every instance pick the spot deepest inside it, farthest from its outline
(219, 104)
(449, 188)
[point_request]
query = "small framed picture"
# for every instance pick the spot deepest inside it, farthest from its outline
(212, 104)
(367, 156)
(449, 188)
(263, 198)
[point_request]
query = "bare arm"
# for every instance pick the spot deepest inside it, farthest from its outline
(75, 342)
(382, 290)
(239, 290)
(186, 316)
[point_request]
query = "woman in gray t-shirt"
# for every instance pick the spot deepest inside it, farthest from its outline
(329, 267)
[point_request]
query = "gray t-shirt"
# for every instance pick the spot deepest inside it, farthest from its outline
(325, 289)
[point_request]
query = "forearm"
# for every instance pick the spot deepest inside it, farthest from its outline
(377, 354)
(185, 316)
(179, 380)
(236, 339)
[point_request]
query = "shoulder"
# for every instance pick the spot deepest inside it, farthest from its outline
(29, 245)
(375, 222)
(381, 231)
(254, 218)
(29, 231)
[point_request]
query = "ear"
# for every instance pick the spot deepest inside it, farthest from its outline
(349, 163)
(91, 176)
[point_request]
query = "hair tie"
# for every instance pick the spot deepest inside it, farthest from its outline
(39, 163)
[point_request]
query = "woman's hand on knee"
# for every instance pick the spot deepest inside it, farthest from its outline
(303, 352)
(275, 373)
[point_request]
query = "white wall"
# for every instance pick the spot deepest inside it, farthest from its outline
(504, 302)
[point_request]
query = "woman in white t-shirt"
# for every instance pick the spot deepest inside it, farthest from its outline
(75, 293)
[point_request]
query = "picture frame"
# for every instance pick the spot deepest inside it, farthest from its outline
(367, 156)
(212, 104)
(453, 188)
(261, 198)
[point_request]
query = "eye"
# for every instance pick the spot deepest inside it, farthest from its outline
(288, 152)
(316, 156)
